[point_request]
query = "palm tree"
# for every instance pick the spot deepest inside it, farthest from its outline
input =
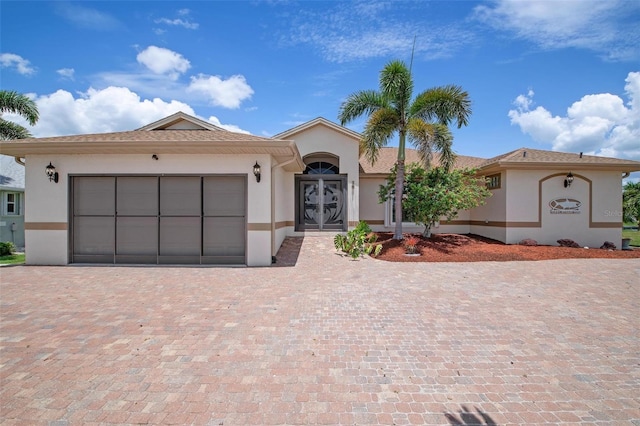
(16, 103)
(424, 121)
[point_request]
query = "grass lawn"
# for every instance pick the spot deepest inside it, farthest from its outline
(12, 259)
(634, 235)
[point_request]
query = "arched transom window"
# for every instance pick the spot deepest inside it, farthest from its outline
(321, 168)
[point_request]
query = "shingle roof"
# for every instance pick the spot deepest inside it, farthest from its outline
(535, 157)
(152, 136)
(388, 156)
(514, 159)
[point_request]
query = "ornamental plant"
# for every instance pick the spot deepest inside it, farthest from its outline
(7, 248)
(358, 242)
(410, 244)
(429, 195)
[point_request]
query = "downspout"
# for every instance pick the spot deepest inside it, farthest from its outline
(273, 205)
(19, 161)
(625, 175)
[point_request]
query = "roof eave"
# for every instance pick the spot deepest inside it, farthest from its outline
(507, 165)
(280, 149)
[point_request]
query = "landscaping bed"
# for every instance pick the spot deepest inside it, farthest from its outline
(474, 248)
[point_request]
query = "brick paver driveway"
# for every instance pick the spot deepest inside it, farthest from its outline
(329, 341)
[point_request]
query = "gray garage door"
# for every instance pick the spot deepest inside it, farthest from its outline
(158, 219)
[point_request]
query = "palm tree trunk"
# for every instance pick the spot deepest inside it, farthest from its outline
(397, 235)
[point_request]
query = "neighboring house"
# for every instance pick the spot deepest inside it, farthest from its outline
(11, 201)
(183, 191)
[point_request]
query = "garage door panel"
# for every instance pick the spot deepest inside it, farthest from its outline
(137, 236)
(94, 196)
(180, 236)
(224, 196)
(224, 236)
(137, 196)
(93, 239)
(180, 196)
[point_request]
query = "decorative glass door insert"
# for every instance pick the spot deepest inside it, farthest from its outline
(321, 203)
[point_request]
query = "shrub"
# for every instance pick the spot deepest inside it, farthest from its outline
(358, 242)
(410, 244)
(7, 248)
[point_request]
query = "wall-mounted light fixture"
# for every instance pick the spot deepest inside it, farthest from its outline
(569, 180)
(256, 171)
(154, 157)
(50, 170)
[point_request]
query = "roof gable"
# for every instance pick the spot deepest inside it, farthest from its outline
(180, 121)
(320, 121)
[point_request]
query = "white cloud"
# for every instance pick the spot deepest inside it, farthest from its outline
(599, 124)
(179, 22)
(230, 127)
(163, 61)
(67, 73)
(160, 77)
(11, 60)
(227, 93)
(379, 32)
(85, 17)
(112, 109)
(600, 26)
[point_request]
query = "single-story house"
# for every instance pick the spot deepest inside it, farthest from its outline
(183, 191)
(11, 201)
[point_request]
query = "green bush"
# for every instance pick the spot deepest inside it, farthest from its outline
(358, 242)
(7, 248)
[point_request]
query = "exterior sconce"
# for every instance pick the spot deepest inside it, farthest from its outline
(51, 173)
(568, 181)
(256, 171)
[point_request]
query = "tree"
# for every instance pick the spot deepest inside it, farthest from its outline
(16, 103)
(424, 120)
(631, 202)
(431, 194)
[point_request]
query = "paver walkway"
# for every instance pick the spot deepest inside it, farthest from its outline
(327, 341)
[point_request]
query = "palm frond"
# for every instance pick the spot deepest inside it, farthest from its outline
(360, 103)
(396, 84)
(381, 126)
(429, 138)
(10, 131)
(17, 103)
(443, 104)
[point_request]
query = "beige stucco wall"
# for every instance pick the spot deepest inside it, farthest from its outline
(599, 192)
(323, 139)
(283, 206)
(379, 218)
(47, 202)
(514, 210)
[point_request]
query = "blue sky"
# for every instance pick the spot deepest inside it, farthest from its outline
(558, 75)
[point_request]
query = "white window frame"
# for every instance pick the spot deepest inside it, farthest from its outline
(17, 204)
(388, 215)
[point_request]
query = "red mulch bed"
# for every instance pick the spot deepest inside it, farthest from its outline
(474, 248)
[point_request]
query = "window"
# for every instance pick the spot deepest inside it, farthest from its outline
(12, 205)
(493, 181)
(391, 211)
(321, 168)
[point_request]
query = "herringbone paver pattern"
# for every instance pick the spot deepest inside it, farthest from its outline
(327, 341)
